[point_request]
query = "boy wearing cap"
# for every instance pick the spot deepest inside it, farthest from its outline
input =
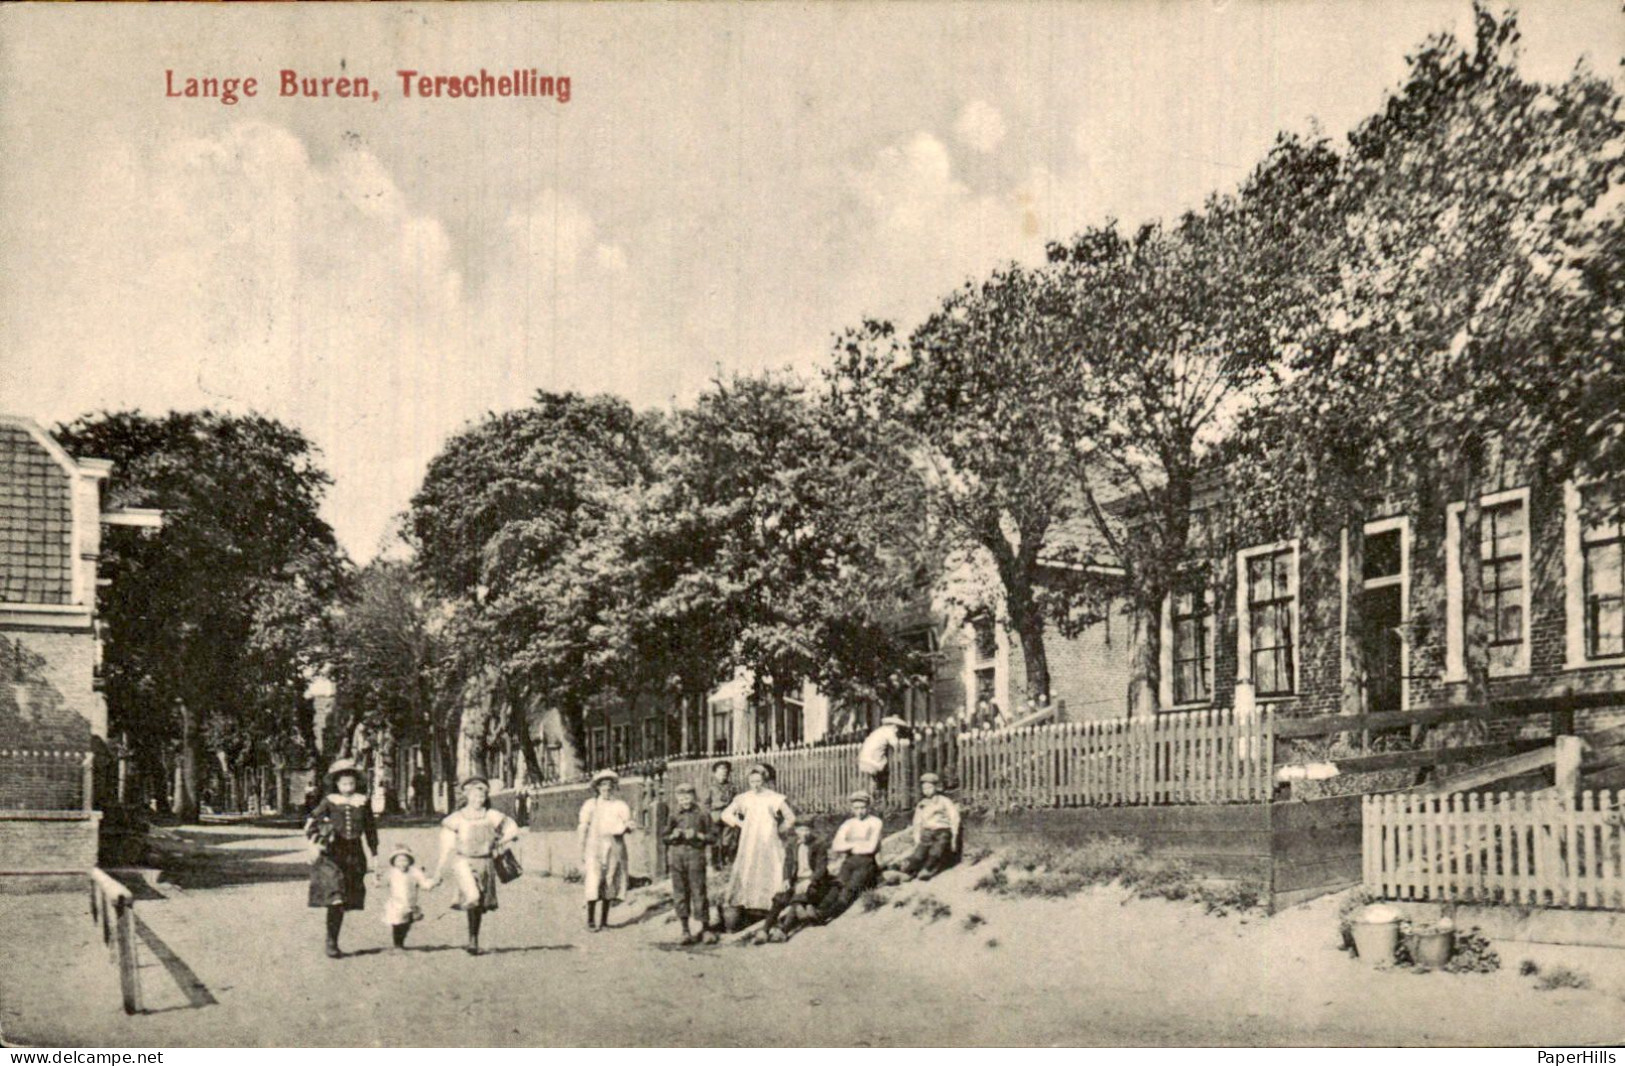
(688, 831)
(858, 840)
(725, 838)
(874, 754)
(936, 828)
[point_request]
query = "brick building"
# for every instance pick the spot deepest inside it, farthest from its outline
(53, 721)
(1265, 624)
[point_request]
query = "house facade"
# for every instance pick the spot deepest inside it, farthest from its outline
(1267, 621)
(55, 765)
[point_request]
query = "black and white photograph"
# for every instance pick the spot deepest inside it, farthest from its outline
(812, 525)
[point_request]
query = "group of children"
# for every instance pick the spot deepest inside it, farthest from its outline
(698, 838)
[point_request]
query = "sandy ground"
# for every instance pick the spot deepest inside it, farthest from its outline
(235, 959)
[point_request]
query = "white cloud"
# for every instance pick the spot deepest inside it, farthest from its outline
(980, 126)
(238, 272)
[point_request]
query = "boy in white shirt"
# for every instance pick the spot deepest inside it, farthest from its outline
(858, 840)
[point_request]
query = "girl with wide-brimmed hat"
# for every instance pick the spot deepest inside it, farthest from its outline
(605, 821)
(342, 828)
(762, 816)
(470, 839)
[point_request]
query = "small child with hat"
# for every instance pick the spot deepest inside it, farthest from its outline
(403, 880)
(858, 839)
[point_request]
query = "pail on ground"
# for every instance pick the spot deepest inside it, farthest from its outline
(1375, 942)
(1432, 949)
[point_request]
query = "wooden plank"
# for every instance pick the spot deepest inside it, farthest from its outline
(1499, 770)
(1325, 725)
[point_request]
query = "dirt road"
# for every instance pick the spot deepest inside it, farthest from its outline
(235, 958)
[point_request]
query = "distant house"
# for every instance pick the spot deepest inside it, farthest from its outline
(53, 720)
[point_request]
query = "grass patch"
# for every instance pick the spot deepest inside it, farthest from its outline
(971, 921)
(1562, 977)
(872, 900)
(932, 909)
(992, 942)
(1527, 968)
(979, 855)
(1050, 872)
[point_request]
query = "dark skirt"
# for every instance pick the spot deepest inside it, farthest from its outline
(478, 890)
(339, 877)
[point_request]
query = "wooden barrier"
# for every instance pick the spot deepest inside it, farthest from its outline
(112, 908)
(1539, 849)
(1181, 758)
(816, 779)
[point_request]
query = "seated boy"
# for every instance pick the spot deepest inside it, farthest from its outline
(936, 831)
(858, 840)
(688, 831)
(806, 878)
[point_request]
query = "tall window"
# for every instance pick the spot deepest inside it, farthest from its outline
(793, 721)
(620, 744)
(987, 639)
(1501, 547)
(652, 746)
(1269, 621)
(1191, 628)
(1602, 554)
(600, 747)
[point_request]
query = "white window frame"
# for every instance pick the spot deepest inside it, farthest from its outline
(1244, 636)
(1356, 583)
(1165, 685)
(999, 664)
(1574, 657)
(1455, 662)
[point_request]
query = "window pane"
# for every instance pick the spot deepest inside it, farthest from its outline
(1258, 585)
(1382, 555)
(1602, 569)
(1508, 623)
(1600, 513)
(1607, 624)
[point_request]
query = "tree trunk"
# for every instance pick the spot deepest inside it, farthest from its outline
(1035, 658)
(1145, 670)
(228, 780)
(1354, 665)
(383, 761)
(527, 743)
(188, 766)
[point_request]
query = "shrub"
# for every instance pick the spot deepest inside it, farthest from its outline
(1562, 977)
(1527, 968)
(1056, 873)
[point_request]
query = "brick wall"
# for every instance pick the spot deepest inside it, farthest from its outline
(45, 781)
(37, 845)
(48, 698)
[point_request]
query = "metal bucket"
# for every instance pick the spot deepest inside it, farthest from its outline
(1375, 942)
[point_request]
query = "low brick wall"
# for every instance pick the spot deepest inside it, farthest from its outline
(58, 844)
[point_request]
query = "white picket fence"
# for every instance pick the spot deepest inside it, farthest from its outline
(1183, 757)
(815, 779)
(1540, 849)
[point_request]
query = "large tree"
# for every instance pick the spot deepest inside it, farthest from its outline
(978, 390)
(501, 525)
(1472, 318)
(201, 645)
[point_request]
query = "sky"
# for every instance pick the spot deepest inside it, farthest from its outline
(727, 188)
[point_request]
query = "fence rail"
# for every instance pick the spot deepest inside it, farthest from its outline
(1541, 849)
(1188, 757)
(112, 908)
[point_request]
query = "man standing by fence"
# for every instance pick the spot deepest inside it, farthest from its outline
(874, 754)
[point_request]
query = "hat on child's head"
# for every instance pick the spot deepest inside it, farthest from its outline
(475, 779)
(342, 767)
(860, 795)
(605, 775)
(684, 789)
(761, 768)
(933, 778)
(401, 849)
(892, 719)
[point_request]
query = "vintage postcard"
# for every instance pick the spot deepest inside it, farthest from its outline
(814, 525)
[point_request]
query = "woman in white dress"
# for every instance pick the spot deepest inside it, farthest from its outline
(605, 821)
(761, 816)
